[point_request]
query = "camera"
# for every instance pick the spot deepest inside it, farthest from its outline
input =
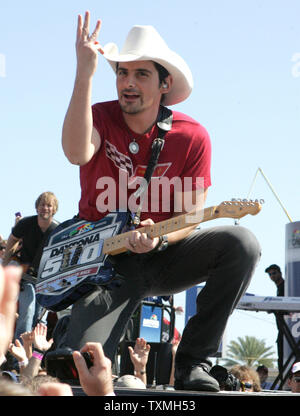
(226, 380)
(60, 364)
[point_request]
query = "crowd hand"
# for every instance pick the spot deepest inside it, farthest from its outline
(179, 310)
(96, 380)
(18, 351)
(139, 355)
(40, 338)
(54, 389)
(27, 339)
(9, 290)
(175, 343)
(138, 242)
(17, 219)
(87, 46)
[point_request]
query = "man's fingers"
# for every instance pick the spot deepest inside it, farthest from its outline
(86, 25)
(146, 240)
(83, 32)
(95, 348)
(80, 364)
(146, 222)
(18, 343)
(79, 27)
(95, 34)
(131, 351)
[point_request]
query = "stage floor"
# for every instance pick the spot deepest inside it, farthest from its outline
(170, 393)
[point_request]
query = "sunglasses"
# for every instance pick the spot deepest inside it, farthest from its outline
(272, 273)
(246, 386)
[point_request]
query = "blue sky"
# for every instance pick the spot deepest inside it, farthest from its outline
(245, 59)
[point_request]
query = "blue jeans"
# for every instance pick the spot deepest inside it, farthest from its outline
(224, 257)
(29, 310)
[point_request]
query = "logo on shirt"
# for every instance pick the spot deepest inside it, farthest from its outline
(120, 160)
(131, 190)
(124, 162)
(159, 171)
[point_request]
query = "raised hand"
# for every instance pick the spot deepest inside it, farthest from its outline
(27, 339)
(139, 355)
(87, 47)
(18, 351)
(175, 343)
(40, 338)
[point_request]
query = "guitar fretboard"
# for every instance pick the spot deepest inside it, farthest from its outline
(116, 245)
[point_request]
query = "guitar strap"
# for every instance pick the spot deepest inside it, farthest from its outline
(164, 124)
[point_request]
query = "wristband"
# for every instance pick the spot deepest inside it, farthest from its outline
(140, 372)
(37, 355)
(23, 363)
(162, 243)
(38, 350)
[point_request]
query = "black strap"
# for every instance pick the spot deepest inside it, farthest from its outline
(164, 124)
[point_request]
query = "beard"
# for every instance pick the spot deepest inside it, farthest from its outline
(127, 110)
(128, 107)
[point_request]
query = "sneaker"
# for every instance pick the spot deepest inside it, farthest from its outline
(195, 377)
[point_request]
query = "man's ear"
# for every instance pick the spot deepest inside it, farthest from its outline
(166, 84)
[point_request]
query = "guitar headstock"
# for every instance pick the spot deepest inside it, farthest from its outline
(238, 208)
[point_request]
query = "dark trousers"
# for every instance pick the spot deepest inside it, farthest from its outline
(224, 257)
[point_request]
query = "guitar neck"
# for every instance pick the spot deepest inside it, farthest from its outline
(116, 245)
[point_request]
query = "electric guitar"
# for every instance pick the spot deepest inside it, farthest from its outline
(75, 257)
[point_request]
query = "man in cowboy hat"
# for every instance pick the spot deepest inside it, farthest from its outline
(109, 138)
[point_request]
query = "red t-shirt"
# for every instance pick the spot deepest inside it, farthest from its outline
(109, 180)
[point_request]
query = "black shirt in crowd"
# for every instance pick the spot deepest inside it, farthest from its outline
(32, 237)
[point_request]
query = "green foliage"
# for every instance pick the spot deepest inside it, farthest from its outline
(249, 351)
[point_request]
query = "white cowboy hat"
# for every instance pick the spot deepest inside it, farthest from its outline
(143, 43)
